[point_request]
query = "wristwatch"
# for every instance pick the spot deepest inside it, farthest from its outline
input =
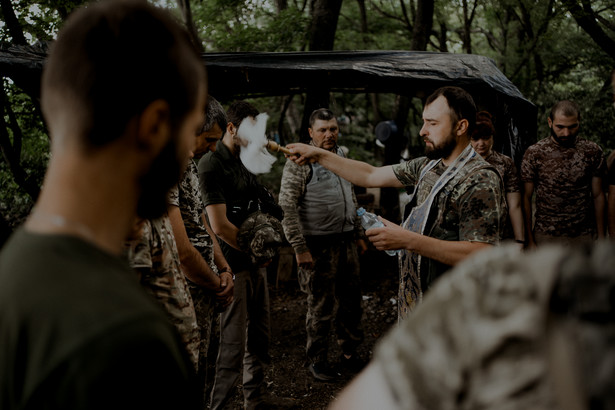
(227, 269)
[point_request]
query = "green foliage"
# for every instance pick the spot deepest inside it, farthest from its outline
(249, 26)
(536, 43)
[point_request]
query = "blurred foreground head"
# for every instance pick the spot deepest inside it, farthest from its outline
(115, 68)
(504, 330)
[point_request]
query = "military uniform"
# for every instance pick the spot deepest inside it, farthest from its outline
(507, 170)
(186, 195)
(154, 255)
(562, 178)
(326, 227)
(468, 207)
(483, 337)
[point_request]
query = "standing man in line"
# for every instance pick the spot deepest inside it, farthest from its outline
(229, 192)
(321, 225)
(210, 278)
(76, 329)
(566, 173)
(459, 204)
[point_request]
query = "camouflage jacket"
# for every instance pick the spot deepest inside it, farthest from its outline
(562, 179)
(186, 195)
(154, 255)
(507, 170)
(292, 188)
(471, 207)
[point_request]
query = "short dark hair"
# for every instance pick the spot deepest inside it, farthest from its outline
(111, 60)
(460, 103)
(240, 110)
(214, 114)
(567, 108)
(484, 126)
(321, 114)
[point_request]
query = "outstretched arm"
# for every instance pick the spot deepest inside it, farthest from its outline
(357, 172)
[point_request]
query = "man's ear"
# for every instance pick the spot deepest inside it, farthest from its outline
(229, 128)
(462, 127)
(154, 127)
(310, 131)
(550, 122)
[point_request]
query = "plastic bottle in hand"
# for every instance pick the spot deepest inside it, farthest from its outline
(369, 221)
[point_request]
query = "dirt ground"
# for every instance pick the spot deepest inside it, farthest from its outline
(288, 376)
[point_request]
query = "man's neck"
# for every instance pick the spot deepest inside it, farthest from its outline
(85, 200)
(461, 145)
(228, 142)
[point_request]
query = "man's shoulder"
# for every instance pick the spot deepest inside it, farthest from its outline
(589, 146)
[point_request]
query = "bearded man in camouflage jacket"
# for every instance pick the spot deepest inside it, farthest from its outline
(459, 205)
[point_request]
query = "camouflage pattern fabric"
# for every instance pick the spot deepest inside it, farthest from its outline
(471, 207)
(512, 183)
(335, 277)
(186, 195)
(507, 170)
(155, 255)
(484, 336)
(562, 179)
(260, 235)
(292, 188)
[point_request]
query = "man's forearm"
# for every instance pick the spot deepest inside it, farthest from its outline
(447, 252)
(599, 209)
(198, 271)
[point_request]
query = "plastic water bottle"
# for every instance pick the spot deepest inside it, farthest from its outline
(369, 221)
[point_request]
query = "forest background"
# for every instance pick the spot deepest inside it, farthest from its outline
(550, 49)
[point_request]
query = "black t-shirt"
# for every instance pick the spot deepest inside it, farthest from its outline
(77, 331)
(225, 180)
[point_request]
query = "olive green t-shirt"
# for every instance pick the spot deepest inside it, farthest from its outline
(77, 331)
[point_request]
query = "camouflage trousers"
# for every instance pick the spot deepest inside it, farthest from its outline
(204, 309)
(335, 278)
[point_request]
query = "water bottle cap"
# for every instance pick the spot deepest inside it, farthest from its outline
(360, 211)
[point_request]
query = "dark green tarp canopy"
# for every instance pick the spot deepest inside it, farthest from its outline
(410, 73)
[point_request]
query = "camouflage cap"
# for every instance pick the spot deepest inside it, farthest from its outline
(260, 235)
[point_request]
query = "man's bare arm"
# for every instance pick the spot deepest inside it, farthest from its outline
(528, 192)
(357, 172)
(599, 205)
(196, 269)
(221, 225)
(393, 236)
(515, 213)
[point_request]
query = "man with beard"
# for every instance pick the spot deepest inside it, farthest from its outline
(76, 329)
(566, 173)
(321, 224)
(458, 202)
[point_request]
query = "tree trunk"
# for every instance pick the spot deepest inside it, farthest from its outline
(325, 14)
(12, 23)
(586, 19)
(184, 7)
(12, 151)
(423, 24)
